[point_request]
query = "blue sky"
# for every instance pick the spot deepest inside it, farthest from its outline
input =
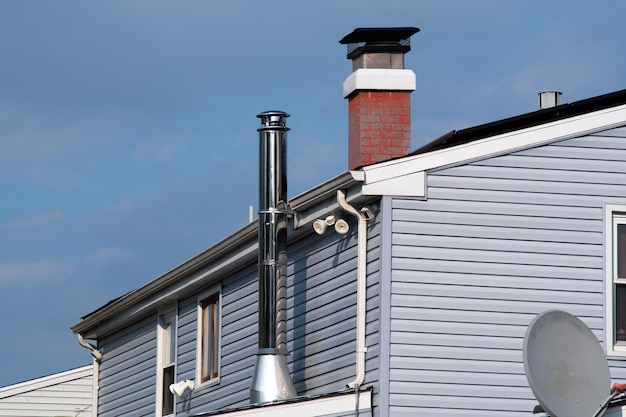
(128, 135)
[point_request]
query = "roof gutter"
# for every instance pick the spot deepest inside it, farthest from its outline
(161, 283)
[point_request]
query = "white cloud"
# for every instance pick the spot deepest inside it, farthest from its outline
(33, 222)
(162, 148)
(32, 273)
(107, 256)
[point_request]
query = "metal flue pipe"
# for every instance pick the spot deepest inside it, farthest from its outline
(271, 380)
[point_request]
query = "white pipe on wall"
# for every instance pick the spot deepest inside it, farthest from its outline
(361, 296)
(94, 350)
(97, 357)
(95, 386)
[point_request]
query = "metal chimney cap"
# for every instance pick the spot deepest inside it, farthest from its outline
(273, 118)
(378, 40)
(379, 34)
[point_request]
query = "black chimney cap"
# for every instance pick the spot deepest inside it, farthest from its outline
(379, 35)
(378, 40)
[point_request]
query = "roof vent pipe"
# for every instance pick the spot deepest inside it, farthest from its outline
(271, 380)
(549, 99)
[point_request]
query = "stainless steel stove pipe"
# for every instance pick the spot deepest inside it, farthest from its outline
(271, 380)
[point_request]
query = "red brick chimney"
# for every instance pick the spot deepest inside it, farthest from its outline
(378, 93)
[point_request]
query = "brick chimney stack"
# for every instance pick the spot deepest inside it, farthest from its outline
(378, 93)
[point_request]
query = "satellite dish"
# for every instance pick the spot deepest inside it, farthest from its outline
(565, 366)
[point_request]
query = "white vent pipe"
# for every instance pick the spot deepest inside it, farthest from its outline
(548, 99)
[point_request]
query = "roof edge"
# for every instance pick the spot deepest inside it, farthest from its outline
(535, 118)
(235, 240)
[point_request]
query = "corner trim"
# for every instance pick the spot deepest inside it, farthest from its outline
(385, 305)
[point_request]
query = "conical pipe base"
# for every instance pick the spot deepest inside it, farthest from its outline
(271, 381)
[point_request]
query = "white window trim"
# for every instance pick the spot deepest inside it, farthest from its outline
(611, 213)
(170, 311)
(217, 289)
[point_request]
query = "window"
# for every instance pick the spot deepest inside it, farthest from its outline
(166, 363)
(615, 231)
(208, 348)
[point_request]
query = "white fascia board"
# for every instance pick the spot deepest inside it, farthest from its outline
(372, 79)
(409, 185)
(311, 408)
(400, 173)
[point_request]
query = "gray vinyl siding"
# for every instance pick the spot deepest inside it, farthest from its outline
(322, 294)
(238, 345)
(127, 376)
(495, 243)
(321, 324)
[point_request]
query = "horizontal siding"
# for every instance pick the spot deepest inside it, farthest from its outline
(322, 295)
(497, 242)
(72, 396)
(238, 345)
(127, 376)
(320, 331)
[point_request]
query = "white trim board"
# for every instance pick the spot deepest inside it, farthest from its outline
(406, 176)
(345, 403)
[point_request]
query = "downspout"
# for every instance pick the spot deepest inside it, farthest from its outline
(97, 357)
(94, 350)
(361, 288)
(95, 386)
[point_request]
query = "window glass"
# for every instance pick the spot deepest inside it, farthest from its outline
(621, 251)
(620, 314)
(209, 337)
(168, 397)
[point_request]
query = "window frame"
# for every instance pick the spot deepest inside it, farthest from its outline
(614, 216)
(163, 348)
(213, 292)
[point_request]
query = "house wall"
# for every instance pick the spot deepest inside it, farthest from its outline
(239, 340)
(322, 297)
(321, 311)
(496, 242)
(127, 376)
(321, 305)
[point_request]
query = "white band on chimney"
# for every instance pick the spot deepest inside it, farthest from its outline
(374, 79)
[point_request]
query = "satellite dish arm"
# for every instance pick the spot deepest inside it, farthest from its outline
(605, 404)
(618, 387)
